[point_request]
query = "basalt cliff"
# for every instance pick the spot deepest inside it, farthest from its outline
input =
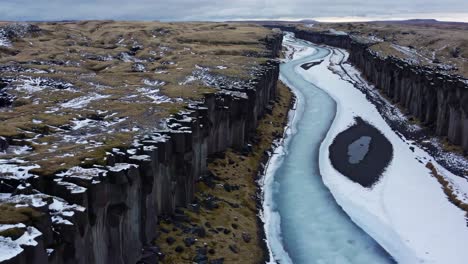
(108, 213)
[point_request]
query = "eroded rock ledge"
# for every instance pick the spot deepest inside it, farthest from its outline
(106, 214)
(437, 99)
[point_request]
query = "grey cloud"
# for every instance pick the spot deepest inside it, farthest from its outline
(218, 9)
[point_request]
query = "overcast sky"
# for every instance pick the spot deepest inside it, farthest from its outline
(175, 10)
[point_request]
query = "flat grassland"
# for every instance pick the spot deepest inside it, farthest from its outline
(70, 91)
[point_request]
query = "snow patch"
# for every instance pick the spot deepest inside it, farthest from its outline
(83, 173)
(32, 85)
(10, 248)
(4, 40)
(83, 101)
(153, 82)
(154, 95)
(337, 32)
(15, 171)
(121, 167)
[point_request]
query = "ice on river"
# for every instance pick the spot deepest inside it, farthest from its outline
(407, 212)
(303, 223)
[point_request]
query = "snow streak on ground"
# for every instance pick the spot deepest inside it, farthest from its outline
(83, 101)
(407, 212)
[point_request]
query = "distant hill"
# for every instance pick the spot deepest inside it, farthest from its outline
(426, 23)
(409, 21)
(276, 22)
(433, 23)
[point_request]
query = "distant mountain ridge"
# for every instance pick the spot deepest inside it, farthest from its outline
(275, 22)
(416, 22)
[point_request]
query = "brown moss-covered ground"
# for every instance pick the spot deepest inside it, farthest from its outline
(123, 67)
(10, 214)
(232, 229)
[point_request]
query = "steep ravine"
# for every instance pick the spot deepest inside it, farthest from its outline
(219, 226)
(122, 200)
(439, 101)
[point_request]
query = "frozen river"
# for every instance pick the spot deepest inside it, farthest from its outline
(304, 224)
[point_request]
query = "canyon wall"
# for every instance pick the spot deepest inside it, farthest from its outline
(118, 204)
(438, 100)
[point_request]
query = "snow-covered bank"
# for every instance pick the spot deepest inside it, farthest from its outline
(269, 215)
(407, 212)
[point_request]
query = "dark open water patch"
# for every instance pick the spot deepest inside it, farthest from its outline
(361, 153)
(309, 65)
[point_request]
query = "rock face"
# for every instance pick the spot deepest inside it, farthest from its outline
(122, 200)
(438, 100)
(3, 144)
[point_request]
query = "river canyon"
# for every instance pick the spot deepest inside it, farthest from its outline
(151, 142)
(316, 213)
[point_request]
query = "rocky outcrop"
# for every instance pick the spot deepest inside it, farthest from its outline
(118, 204)
(437, 99)
(19, 30)
(3, 144)
(5, 99)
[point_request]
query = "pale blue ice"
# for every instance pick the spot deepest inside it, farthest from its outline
(314, 228)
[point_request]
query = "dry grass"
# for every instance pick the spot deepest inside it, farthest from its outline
(13, 233)
(450, 147)
(236, 170)
(452, 197)
(86, 54)
(9, 214)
